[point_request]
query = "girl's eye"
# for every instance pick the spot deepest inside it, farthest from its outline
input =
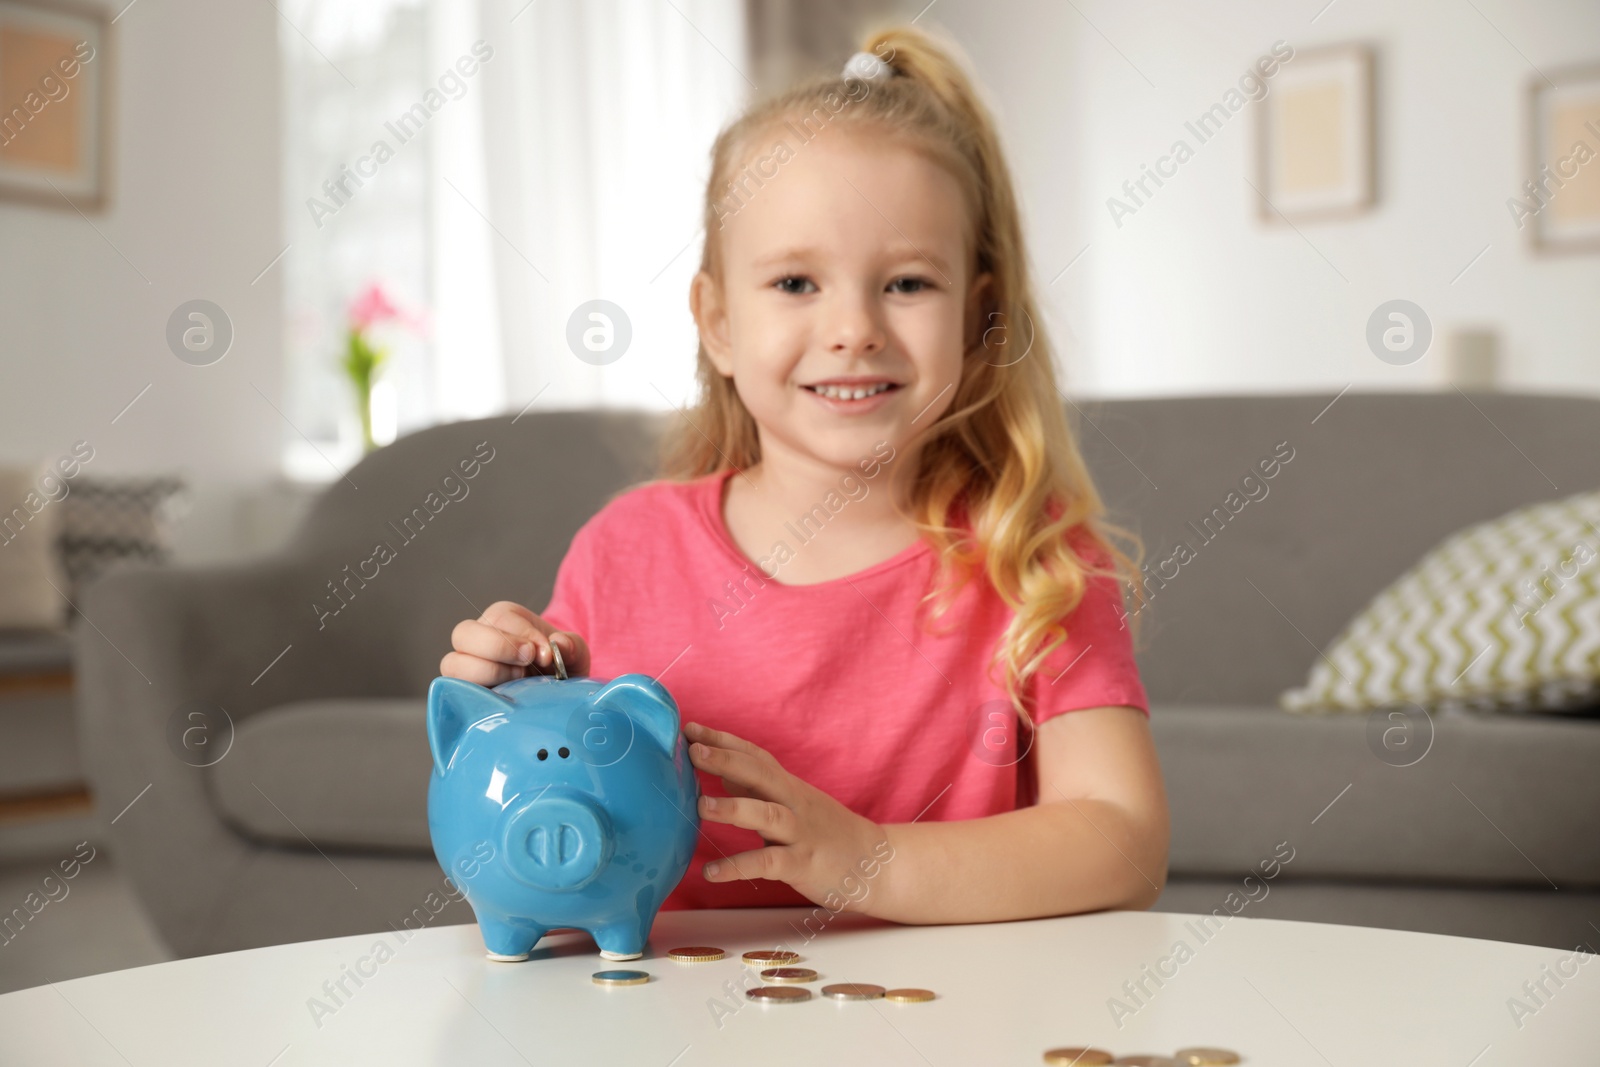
(795, 284)
(783, 284)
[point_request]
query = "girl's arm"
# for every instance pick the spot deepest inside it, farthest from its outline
(1097, 838)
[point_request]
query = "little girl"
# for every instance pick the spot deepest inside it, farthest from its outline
(874, 575)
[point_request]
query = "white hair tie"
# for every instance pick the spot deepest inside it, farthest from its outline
(867, 67)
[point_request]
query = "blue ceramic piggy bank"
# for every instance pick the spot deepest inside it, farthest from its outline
(564, 802)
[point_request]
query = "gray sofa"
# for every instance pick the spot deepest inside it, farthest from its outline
(313, 824)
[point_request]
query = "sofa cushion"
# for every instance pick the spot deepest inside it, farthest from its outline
(349, 773)
(1504, 613)
(1491, 798)
(1364, 485)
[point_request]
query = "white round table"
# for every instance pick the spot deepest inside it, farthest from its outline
(1279, 993)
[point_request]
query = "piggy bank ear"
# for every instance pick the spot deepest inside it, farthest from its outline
(454, 705)
(645, 701)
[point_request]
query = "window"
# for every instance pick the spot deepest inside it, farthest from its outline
(568, 167)
(350, 69)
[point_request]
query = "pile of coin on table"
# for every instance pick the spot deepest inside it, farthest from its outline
(1099, 1057)
(785, 984)
(784, 981)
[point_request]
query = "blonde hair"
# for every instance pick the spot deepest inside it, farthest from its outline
(1004, 452)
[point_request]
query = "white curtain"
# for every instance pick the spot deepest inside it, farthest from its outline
(577, 174)
(469, 379)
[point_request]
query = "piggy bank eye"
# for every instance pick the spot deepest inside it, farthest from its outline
(563, 752)
(544, 754)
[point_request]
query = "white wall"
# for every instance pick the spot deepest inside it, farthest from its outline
(1192, 293)
(194, 209)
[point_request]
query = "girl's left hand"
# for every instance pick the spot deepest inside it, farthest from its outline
(814, 843)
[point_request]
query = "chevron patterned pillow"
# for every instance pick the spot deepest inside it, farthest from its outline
(1502, 615)
(106, 520)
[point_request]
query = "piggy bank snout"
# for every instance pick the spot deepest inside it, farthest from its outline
(559, 841)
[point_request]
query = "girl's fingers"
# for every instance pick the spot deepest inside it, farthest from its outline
(739, 768)
(474, 637)
(512, 617)
(722, 739)
(508, 641)
(773, 821)
(477, 669)
(772, 862)
(523, 627)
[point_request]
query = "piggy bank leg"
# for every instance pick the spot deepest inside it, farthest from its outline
(623, 939)
(507, 941)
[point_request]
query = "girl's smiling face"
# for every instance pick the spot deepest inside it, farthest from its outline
(847, 272)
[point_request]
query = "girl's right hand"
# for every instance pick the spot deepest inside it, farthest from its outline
(509, 641)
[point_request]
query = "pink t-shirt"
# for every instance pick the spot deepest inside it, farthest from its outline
(836, 679)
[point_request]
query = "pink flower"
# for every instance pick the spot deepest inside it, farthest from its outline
(372, 306)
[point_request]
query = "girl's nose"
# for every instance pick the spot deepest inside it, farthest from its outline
(853, 328)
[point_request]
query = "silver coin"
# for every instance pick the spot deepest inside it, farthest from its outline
(620, 977)
(778, 994)
(853, 991)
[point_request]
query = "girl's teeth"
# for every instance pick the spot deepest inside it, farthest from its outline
(844, 393)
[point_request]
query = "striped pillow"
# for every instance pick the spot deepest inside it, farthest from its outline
(107, 520)
(1502, 615)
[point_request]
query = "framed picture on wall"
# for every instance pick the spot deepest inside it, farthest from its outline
(53, 104)
(1560, 205)
(1315, 140)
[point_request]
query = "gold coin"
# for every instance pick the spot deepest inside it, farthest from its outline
(1206, 1057)
(1078, 1057)
(1145, 1060)
(695, 954)
(789, 974)
(778, 994)
(620, 977)
(770, 957)
(853, 991)
(908, 996)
